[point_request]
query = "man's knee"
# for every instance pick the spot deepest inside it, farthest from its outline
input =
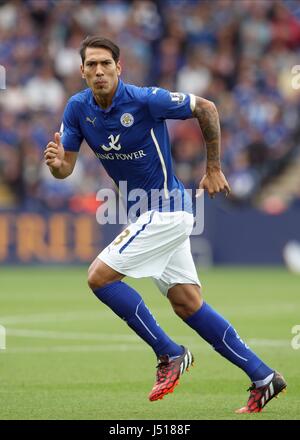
(95, 281)
(99, 275)
(186, 299)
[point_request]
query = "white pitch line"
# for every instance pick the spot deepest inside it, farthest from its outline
(48, 334)
(82, 349)
(88, 315)
(269, 342)
(54, 317)
(74, 349)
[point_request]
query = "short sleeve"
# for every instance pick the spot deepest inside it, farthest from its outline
(70, 130)
(170, 105)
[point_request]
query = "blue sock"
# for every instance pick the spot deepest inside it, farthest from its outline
(222, 336)
(129, 305)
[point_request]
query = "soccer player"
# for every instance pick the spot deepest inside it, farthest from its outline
(125, 127)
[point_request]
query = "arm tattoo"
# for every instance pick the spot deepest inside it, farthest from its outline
(208, 118)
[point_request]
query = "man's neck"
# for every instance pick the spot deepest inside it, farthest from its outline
(104, 101)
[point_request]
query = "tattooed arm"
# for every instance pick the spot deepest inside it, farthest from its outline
(214, 180)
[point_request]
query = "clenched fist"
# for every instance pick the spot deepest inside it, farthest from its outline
(214, 182)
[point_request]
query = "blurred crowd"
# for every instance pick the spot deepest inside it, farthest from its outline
(238, 53)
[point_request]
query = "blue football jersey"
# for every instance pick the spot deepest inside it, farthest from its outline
(131, 140)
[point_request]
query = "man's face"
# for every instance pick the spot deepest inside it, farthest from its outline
(100, 71)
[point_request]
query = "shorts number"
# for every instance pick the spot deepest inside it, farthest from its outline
(121, 237)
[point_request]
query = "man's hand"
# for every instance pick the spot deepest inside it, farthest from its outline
(214, 182)
(54, 153)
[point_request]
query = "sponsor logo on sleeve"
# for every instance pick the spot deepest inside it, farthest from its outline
(177, 97)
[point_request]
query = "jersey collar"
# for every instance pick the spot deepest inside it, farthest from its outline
(117, 96)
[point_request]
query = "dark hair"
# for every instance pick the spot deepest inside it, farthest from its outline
(99, 42)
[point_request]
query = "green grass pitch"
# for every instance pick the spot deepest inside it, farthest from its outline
(69, 357)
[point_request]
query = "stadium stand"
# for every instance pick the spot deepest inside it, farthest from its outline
(239, 54)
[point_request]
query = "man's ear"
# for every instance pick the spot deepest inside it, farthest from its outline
(82, 71)
(119, 68)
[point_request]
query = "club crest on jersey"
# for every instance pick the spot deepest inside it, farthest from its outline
(127, 120)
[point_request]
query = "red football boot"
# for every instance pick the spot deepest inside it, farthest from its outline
(169, 372)
(259, 397)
